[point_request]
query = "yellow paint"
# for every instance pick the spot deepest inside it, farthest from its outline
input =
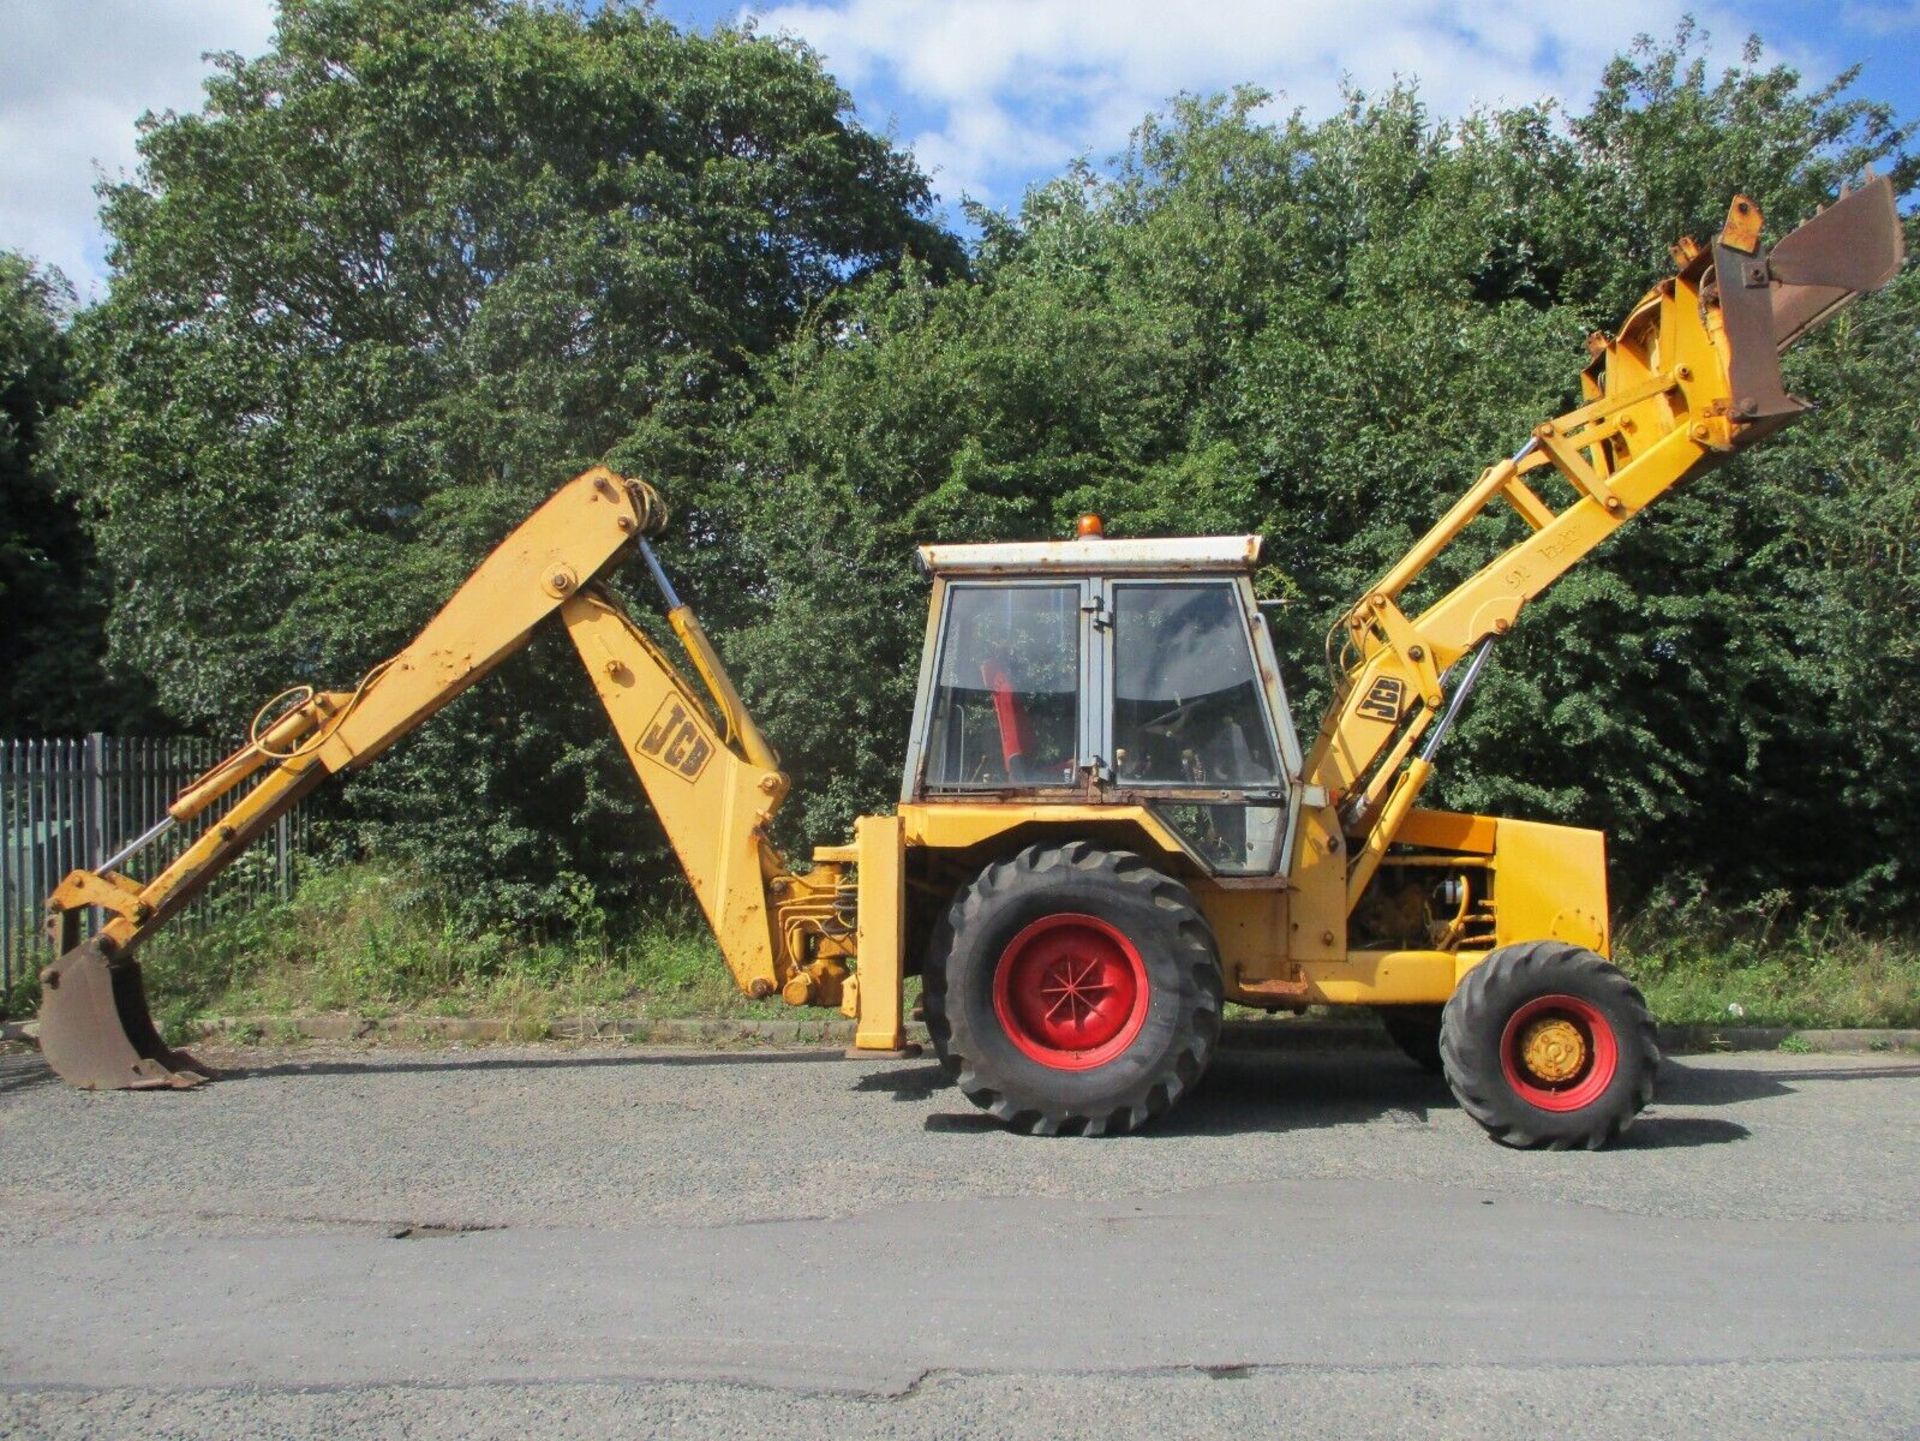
(883, 907)
(1317, 930)
(1450, 831)
(713, 803)
(1553, 1050)
(1550, 883)
(741, 729)
(964, 825)
(1377, 978)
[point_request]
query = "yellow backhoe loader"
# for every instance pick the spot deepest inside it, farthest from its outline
(1107, 826)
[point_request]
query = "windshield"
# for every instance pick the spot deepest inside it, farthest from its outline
(1186, 705)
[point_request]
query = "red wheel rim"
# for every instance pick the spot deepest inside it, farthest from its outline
(1559, 1053)
(1070, 992)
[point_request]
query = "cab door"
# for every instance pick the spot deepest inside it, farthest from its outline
(1187, 720)
(1004, 687)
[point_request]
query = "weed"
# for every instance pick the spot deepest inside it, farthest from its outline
(1764, 966)
(280, 1032)
(376, 940)
(1796, 1044)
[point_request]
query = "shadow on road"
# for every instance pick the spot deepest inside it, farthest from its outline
(377, 1067)
(1288, 1090)
(1653, 1133)
(23, 1070)
(1244, 1090)
(1682, 1084)
(916, 1082)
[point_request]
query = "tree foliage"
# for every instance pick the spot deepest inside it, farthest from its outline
(393, 282)
(52, 592)
(422, 260)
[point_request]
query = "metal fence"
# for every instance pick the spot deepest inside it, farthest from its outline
(68, 803)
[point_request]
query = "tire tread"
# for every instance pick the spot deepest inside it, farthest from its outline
(1474, 1072)
(1154, 1093)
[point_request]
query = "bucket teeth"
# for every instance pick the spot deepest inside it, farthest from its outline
(96, 1031)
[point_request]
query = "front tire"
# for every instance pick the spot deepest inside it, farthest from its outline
(1073, 989)
(1546, 1045)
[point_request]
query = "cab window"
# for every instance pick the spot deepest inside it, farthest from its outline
(1006, 700)
(1186, 703)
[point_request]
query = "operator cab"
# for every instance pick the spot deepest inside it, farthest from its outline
(1109, 671)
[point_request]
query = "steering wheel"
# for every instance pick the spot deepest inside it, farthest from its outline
(1169, 723)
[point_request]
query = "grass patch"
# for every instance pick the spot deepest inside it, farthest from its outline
(1763, 966)
(375, 941)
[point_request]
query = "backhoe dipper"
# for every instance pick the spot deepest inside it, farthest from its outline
(1107, 826)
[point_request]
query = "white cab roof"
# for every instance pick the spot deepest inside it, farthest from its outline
(1234, 554)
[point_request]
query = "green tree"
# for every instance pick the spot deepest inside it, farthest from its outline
(1323, 331)
(395, 280)
(52, 681)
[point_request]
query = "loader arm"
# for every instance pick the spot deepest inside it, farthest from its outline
(1692, 377)
(710, 774)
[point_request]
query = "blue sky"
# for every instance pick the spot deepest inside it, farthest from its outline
(991, 95)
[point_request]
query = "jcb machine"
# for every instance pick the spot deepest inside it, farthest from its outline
(1108, 826)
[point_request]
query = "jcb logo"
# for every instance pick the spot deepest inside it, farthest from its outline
(1383, 700)
(675, 741)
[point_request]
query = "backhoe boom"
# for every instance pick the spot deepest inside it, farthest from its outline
(714, 783)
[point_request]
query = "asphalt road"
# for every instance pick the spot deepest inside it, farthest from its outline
(553, 1242)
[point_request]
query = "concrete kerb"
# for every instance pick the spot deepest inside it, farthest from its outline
(1304, 1034)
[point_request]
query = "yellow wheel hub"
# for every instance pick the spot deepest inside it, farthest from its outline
(1553, 1049)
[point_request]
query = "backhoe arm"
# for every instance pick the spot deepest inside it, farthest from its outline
(712, 778)
(1692, 377)
(94, 1025)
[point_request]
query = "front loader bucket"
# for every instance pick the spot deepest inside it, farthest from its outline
(1768, 300)
(1852, 247)
(96, 1031)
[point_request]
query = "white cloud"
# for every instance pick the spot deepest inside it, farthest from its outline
(1881, 18)
(1015, 88)
(994, 92)
(75, 75)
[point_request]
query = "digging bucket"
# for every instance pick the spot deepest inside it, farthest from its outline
(96, 1031)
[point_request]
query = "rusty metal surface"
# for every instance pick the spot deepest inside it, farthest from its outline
(1295, 988)
(96, 1031)
(1769, 299)
(1232, 554)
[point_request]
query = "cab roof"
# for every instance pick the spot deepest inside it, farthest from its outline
(1204, 554)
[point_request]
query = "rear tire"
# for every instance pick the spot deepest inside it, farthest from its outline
(1416, 1031)
(1073, 990)
(1546, 1045)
